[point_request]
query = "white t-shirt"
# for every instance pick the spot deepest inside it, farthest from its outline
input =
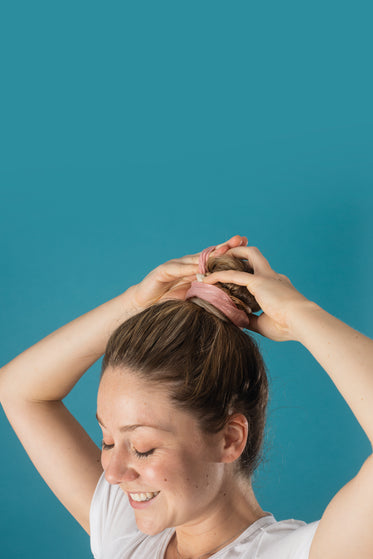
(114, 534)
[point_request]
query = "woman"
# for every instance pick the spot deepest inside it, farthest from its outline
(181, 403)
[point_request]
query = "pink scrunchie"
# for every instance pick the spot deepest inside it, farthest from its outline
(216, 296)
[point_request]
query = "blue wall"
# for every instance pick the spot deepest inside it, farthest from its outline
(132, 133)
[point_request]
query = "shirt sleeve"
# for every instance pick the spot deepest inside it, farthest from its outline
(110, 516)
(288, 539)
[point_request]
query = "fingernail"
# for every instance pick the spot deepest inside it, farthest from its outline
(200, 277)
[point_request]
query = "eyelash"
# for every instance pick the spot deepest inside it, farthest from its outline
(105, 446)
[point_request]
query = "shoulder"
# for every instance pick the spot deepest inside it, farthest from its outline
(268, 539)
(286, 539)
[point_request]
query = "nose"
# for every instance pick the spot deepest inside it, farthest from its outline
(117, 469)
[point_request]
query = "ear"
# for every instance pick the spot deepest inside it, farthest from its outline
(234, 437)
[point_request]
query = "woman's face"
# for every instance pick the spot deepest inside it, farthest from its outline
(158, 452)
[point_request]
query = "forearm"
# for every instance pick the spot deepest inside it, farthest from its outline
(49, 369)
(344, 353)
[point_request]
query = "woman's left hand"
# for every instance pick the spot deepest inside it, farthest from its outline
(274, 293)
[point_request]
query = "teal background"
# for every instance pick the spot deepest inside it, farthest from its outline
(132, 133)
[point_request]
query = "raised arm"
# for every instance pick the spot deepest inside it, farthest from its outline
(33, 384)
(345, 529)
(32, 387)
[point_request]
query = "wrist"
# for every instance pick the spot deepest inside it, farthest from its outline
(130, 306)
(298, 318)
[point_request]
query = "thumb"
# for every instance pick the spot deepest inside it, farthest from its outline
(253, 323)
(263, 325)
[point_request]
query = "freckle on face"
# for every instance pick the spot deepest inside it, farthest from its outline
(126, 392)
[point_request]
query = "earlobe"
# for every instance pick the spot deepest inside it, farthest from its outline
(235, 435)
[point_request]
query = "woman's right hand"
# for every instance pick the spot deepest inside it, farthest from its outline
(172, 279)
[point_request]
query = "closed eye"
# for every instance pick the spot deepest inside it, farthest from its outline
(137, 453)
(144, 454)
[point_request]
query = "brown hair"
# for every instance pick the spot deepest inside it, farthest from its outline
(211, 367)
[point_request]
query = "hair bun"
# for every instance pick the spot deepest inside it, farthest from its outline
(239, 294)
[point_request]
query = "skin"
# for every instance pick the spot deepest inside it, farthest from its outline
(346, 355)
(199, 492)
(34, 384)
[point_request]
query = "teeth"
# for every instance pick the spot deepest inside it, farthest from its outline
(143, 496)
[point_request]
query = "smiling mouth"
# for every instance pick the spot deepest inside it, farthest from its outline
(141, 497)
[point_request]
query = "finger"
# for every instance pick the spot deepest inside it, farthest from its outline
(236, 240)
(253, 323)
(265, 326)
(229, 276)
(187, 259)
(261, 324)
(185, 280)
(255, 258)
(182, 282)
(232, 243)
(219, 251)
(175, 269)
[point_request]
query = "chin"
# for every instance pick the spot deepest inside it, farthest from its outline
(149, 528)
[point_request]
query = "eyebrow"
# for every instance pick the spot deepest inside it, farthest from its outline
(126, 428)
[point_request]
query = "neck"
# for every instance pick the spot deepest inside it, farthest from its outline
(235, 510)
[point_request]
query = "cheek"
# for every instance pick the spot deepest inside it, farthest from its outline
(171, 473)
(189, 476)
